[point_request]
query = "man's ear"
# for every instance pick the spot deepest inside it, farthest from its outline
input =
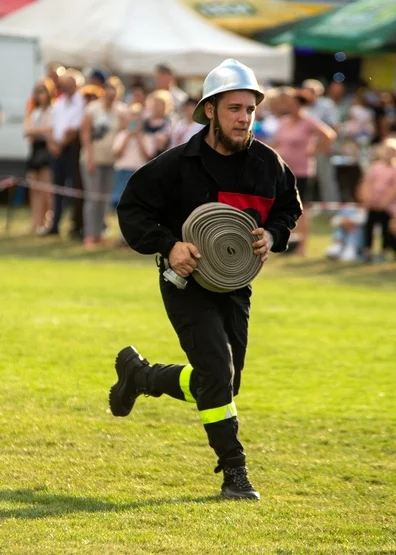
(209, 110)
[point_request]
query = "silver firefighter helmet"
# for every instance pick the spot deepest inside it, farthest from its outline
(230, 75)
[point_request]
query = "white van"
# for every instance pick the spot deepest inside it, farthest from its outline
(21, 65)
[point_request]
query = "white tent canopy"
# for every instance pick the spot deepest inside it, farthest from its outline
(132, 36)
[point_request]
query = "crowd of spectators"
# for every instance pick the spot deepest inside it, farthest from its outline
(94, 135)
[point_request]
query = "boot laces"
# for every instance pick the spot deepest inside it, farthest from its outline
(238, 476)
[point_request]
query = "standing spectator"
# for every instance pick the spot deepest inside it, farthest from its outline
(159, 107)
(185, 128)
(66, 122)
(132, 148)
(97, 77)
(359, 118)
(134, 88)
(295, 142)
(351, 150)
(165, 79)
(266, 121)
(392, 132)
(320, 106)
(392, 227)
(325, 110)
(52, 83)
(377, 193)
(373, 101)
(90, 92)
(389, 102)
(37, 129)
(52, 75)
(136, 95)
(336, 92)
(102, 120)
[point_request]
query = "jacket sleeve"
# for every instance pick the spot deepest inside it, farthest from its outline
(140, 208)
(286, 209)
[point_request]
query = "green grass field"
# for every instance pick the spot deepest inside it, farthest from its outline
(317, 411)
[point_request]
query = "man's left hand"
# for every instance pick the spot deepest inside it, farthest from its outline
(263, 244)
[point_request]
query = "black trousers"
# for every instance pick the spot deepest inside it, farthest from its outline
(63, 171)
(376, 217)
(212, 330)
(78, 203)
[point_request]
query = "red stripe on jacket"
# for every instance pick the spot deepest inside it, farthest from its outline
(242, 201)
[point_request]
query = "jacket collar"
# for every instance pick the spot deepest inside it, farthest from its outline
(193, 146)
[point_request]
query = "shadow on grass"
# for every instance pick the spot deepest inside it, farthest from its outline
(354, 273)
(41, 504)
(17, 243)
(24, 247)
(60, 248)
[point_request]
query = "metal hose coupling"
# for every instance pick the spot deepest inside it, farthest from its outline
(222, 235)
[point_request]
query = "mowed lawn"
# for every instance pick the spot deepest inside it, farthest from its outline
(317, 412)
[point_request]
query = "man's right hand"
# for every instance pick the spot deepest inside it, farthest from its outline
(183, 258)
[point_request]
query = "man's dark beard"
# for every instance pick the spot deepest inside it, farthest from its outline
(229, 144)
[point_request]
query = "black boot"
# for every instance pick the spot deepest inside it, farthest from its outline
(132, 370)
(236, 484)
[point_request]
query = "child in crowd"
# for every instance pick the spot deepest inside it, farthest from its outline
(159, 122)
(348, 236)
(377, 193)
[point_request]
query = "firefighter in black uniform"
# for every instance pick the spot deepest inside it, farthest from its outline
(221, 163)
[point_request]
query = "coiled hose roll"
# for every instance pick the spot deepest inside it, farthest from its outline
(222, 235)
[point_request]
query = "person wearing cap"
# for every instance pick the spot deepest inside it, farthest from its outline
(223, 163)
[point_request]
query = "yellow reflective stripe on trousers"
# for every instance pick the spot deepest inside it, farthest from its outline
(184, 382)
(209, 416)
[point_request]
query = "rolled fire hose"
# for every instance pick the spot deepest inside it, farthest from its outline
(222, 235)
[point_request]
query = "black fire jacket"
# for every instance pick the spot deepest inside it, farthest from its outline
(162, 194)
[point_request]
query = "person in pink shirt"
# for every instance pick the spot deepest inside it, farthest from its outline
(296, 140)
(377, 193)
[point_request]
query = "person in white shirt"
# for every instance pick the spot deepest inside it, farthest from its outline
(184, 129)
(321, 107)
(325, 110)
(67, 116)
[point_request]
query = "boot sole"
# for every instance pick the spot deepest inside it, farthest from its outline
(248, 496)
(118, 389)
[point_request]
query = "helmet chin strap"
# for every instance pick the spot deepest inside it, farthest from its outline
(216, 125)
(216, 137)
